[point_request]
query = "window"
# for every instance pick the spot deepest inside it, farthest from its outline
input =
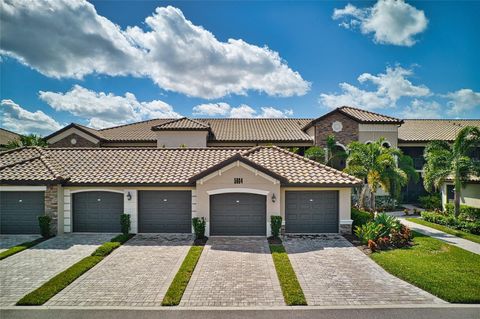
(450, 192)
(386, 144)
(238, 180)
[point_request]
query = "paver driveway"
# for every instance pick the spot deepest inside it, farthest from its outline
(234, 271)
(333, 272)
(136, 274)
(29, 269)
(7, 241)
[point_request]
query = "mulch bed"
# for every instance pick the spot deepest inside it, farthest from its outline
(356, 242)
(274, 240)
(200, 241)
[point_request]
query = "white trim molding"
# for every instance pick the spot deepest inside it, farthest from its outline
(70, 131)
(22, 188)
(97, 190)
(346, 221)
(238, 190)
(238, 164)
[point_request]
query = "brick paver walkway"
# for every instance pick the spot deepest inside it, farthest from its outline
(136, 274)
(29, 269)
(7, 241)
(333, 272)
(234, 271)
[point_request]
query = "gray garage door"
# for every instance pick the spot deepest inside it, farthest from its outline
(97, 212)
(165, 211)
(311, 212)
(237, 214)
(19, 212)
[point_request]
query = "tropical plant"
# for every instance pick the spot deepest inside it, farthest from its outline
(387, 224)
(444, 161)
(316, 153)
(330, 155)
(368, 231)
(377, 166)
(27, 140)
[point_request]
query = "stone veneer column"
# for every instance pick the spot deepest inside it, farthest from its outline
(51, 205)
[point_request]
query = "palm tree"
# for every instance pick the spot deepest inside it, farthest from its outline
(27, 140)
(377, 166)
(445, 161)
(330, 155)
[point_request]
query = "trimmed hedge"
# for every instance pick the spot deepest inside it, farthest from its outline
(455, 223)
(16, 249)
(360, 217)
(466, 212)
(430, 202)
(52, 287)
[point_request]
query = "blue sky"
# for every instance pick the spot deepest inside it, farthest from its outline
(105, 64)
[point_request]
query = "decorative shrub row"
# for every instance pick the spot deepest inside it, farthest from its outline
(383, 232)
(456, 223)
(466, 212)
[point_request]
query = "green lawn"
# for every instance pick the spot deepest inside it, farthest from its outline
(16, 249)
(291, 289)
(448, 272)
(448, 230)
(179, 284)
(52, 287)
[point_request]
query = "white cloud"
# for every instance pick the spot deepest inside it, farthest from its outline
(19, 120)
(70, 39)
(463, 101)
(390, 86)
(420, 109)
(394, 84)
(106, 109)
(211, 109)
(241, 111)
(391, 21)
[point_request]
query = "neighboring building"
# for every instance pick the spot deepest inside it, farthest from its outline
(470, 194)
(7, 136)
(236, 190)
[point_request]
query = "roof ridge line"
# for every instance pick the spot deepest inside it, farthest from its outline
(21, 162)
(44, 158)
(367, 111)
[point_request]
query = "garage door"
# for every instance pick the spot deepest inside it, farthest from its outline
(19, 212)
(237, 214)
(311, 212)
(97, 212)
(165, 211)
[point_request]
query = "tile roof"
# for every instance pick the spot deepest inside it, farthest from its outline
(7, 136)
(364, 116)
(222, 130)
(429, 130)
(182, 124)
(144, 166)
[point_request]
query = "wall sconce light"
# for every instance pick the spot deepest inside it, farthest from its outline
(129, 196)
(274, 198)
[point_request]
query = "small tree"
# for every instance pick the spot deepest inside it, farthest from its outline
(44, 224)
(199, 225)
(444, 161)
(275, 224)
(27, 140)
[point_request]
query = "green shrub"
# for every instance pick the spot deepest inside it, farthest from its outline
(360, 217)
(121, 238)
(387, 223)
(452, 222)
(275, 224)
(44, 223)
(385, 202)
(367, 232)
(125, 223)
(466, 212)
(199, 224)
(106, 249)
(430, 202)
(315, 153)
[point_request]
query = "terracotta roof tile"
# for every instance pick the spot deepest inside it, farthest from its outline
(157, 166)
(7, 136)
(182, 124)
(365, 116)
(429, 130)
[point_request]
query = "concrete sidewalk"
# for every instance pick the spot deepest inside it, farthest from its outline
(452, 240)
(447, 311)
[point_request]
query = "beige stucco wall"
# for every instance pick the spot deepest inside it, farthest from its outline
(392, 137)
(252, 181)
(178, 138)
(470, 195)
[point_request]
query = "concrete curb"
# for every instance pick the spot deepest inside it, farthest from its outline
(446, 311)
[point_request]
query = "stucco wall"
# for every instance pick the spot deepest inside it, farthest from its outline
(225, 181)
(392, 137)
(178, 138)
(470, 195)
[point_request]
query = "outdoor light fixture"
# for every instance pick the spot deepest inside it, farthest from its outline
(129, 196)
(274, 198)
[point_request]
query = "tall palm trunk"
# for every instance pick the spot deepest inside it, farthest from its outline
(457, 195)
(362, 197)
